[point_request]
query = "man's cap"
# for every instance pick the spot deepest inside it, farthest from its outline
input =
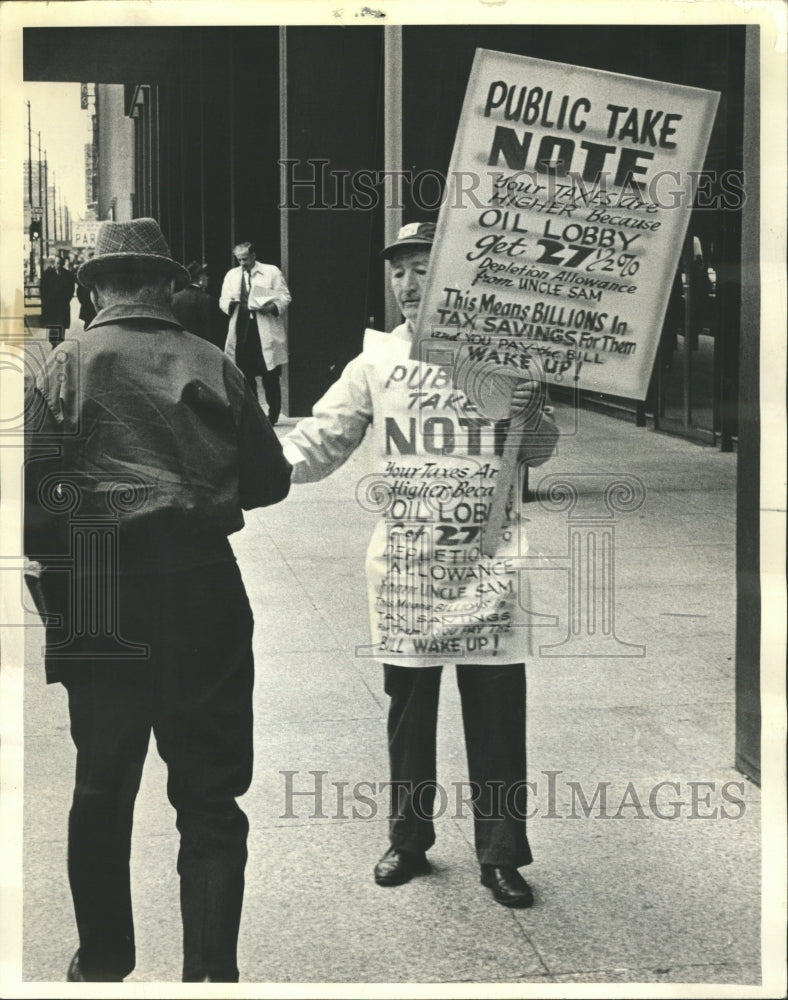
(128, 246)
(196, 270)
(414, 236)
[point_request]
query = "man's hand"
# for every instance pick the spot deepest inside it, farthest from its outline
(269, 309)
(525, 398)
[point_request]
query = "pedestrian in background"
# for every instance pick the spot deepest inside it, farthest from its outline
(194, 308)
(255, 297)
(87, 311)
(699, 293)
(158, 433)
(57, 290)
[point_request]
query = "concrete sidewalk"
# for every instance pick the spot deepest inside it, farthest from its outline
(622, 895)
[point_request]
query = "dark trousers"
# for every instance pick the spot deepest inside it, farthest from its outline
(195, 693)
(493, 712)
(272, 388)
(249, 355)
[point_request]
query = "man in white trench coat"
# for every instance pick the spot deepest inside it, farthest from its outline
(437, 458)
(255, 297)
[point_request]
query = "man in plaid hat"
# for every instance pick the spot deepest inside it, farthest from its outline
(145, 445)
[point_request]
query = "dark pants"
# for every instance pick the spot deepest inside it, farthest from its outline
(249, 356)
(272, 389)
(493, 711)
(195, 693)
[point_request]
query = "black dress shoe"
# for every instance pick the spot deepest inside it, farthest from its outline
(397, 867)
(508, 886)
(211, 979)
(76, 975)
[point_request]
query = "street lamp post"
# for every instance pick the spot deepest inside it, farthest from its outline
(54, 207)
(40, 201)
(40, 206)
(29, 161)
(32, 267)
(46, 206)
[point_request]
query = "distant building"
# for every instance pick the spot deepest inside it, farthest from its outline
(34, 222)
(91, 179)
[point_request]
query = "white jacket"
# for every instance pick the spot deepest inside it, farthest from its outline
(268, 285)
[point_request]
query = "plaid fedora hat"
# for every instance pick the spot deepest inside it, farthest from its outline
(122, 246)
(413, 236)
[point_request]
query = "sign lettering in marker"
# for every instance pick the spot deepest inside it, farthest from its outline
(558, 241)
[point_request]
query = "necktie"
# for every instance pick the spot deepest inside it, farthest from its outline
(244, 288)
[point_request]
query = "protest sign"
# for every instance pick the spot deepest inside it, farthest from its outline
(435, 587)
(567, 202)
